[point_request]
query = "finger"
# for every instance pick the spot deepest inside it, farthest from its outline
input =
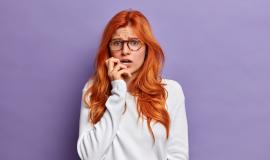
(118, 67)
(106, 62)
(124, 72)
(111, 62)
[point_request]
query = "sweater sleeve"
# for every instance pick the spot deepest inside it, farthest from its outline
(178, 146)
(95, 139)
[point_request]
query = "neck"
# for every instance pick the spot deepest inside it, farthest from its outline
(129, 79)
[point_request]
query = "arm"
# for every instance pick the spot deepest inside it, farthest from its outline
(94, 140)
(178, 147)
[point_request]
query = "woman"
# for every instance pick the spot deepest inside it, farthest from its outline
(128, 111)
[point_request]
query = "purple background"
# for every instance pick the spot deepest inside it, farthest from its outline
(217, 50)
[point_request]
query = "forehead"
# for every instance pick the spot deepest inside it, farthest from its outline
(124, 33)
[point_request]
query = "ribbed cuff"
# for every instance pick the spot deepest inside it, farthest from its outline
(119, 86)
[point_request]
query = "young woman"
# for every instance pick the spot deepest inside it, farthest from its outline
(128, 111)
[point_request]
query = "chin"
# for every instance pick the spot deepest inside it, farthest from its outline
(134, 72)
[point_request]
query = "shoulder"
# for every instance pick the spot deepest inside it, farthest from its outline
(88, 84)
(173, 88)
(175, 95)
(171, 83)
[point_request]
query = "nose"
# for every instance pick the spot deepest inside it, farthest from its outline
(125, 49)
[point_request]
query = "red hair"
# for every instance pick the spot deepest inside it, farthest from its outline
(146, 87)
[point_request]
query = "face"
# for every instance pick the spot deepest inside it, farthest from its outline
(135, 57)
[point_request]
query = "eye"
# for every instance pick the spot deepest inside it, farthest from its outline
(134, 42)
(116, 43)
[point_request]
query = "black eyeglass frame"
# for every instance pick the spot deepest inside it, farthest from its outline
(123, 43)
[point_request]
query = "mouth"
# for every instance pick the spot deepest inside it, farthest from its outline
(125, 61)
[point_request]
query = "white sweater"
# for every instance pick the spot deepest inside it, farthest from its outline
(118, 136)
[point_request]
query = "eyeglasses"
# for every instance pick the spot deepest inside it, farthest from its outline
(133, 44)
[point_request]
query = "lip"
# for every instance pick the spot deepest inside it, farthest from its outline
(125, 59)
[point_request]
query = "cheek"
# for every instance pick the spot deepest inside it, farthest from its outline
(116, 54)
(140, 59)
(143, 53)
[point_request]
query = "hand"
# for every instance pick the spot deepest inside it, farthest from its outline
(118, 71)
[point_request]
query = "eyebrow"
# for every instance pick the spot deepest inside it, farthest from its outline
(130, 38)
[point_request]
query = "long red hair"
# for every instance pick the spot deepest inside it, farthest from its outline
(146, 87)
